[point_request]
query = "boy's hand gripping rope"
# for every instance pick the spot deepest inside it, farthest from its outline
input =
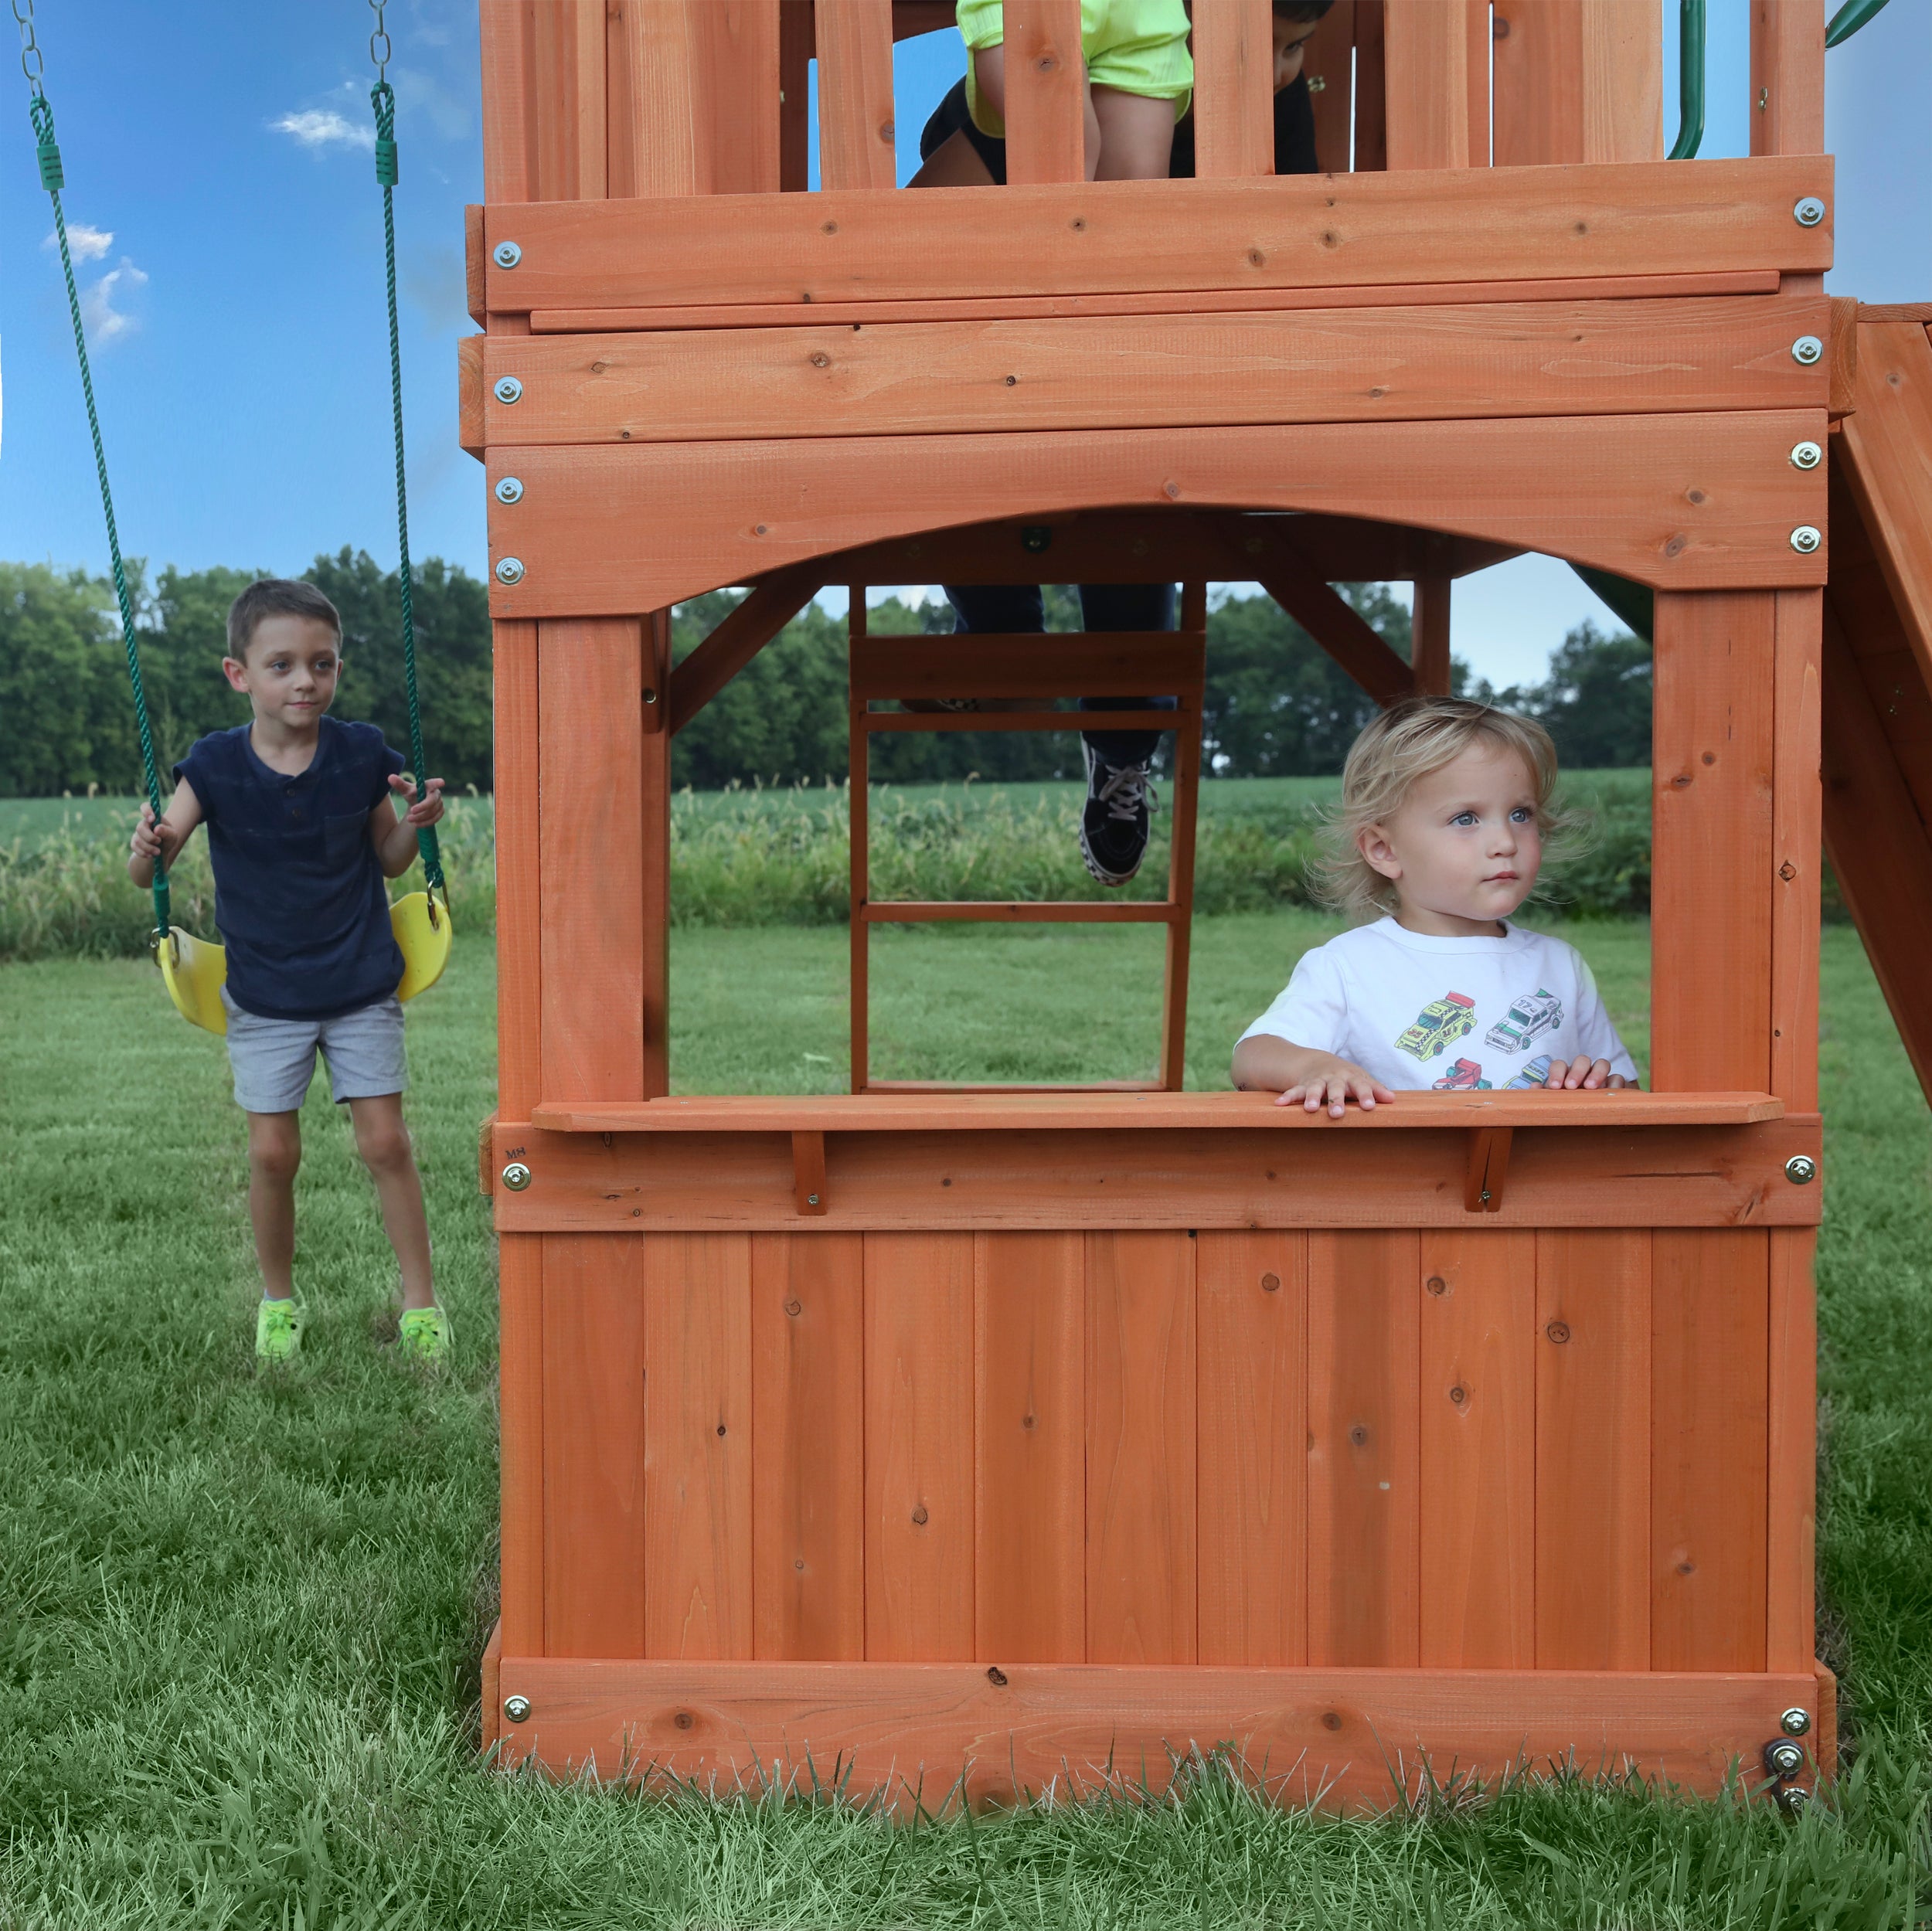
(52, 178)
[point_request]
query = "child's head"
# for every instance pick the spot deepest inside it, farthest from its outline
(1295, 21)
(1447, 808)
(284, 650)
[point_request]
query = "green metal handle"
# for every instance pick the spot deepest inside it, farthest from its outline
(1690, 77)
(1849, 18)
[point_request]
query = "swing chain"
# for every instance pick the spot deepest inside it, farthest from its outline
(379, 40)
(33, 62)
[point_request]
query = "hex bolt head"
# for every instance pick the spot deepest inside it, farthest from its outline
(1808, 212)
(1792, 1799)
(508, 389)
(1801, 1170)
(1807, 350)
(509, 489)
(1784, 1758)
(1795, 1722)
(510, 570)
(506, 254)
(517, 1708)
(1806, 456)
(1806, 538)
(516, 1176)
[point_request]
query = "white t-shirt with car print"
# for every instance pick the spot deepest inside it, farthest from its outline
(1465, 1015)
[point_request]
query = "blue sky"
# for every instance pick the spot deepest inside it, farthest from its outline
(217, 158)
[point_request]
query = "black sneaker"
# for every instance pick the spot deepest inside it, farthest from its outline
(1114, 824)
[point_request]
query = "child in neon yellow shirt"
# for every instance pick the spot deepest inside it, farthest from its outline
(1140, 77)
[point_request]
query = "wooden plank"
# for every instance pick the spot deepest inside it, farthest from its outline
(1477, 24)
(1539, 57)
(1593, 1534)
(1797, 807)
(1404, 364)
(1186, 802)
(743, 68)
(855, 126)
(906, 1730)
(662, 93)
(1428, 82)
(1712, 866)
(808, 1447)
(1329, 61)
(1887, 458)
(1478, 1537)
(591, 926)
(697, 1446)
(1788, 77)
(1045, 92)
(1429, 630)
(919, 1447)
(1792, 1457)
(1141, 1536)
(520, 1422)
(1709, 1448)
(1234, 91)
(1090, 663)
(1371, 89)
(469, 395)
(473, 301)
(519, 1072)
(1842, 348)
(1310, 231)
(1029, 1448)
(1253, 1469)
(1340, 628)
(738, 638)
(1364, 1448)
(808, 1187)
(568, 96)
(592, 1355)
(795, 44)
(731, 514)
(908, 723)
(1623, 82)
(509, 166)
(654, 861)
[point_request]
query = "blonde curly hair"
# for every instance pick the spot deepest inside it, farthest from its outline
(1407, 743)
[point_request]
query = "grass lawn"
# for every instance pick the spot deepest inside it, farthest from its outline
(240, 1615)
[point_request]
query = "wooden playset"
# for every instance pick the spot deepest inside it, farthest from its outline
(1022, 1435)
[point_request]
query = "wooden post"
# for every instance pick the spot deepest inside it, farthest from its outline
(856, 134)
(1788, 77)
(859, 807)
(1233, 89)
(1045, 92)
(1429, 626)
(1180, 887)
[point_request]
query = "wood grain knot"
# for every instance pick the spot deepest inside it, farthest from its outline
(1271, 1283)
(1359, 1436)
(794, 1308)
(684, 1720)
(920, 1517)
(1436, 1285)
(1330, 1720)
(1558, 1331)
(997, 1677)
(1458, 1396)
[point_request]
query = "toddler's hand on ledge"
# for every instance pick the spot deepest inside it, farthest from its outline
(1583, 1071)
(1333, 1082)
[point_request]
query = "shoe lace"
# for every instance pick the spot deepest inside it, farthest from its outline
(1127, 791)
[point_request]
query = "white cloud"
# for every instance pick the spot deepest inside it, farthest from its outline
(103, 321)
(84, 244)
(316, 128)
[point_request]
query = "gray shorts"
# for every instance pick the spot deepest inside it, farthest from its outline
(274, 1059)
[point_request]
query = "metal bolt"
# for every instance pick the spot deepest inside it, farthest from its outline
(509, 489)
(517, 1708)
(507, 253)
(1806, 456)
(510, 570)
(1808, 212)
(1806, 538)
(516, 1176)
(1807, 349)
(1793, 1799)
(1795, 1722)
(1783, 1757)
(1801, 1170)
(509, 389)
(812, 1200)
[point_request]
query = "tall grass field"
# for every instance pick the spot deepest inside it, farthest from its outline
(241, 1614)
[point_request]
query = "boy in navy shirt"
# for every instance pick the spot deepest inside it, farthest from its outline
(302, 832)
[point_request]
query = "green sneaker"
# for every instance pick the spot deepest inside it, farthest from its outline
(423, 1334)
(278, 1331)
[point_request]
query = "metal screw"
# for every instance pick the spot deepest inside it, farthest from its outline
(507, 254)
(509, 489)
(1795, 1722)
(517, 1708)
(510, 570)
(1806, 538)
(516, 1176)
(1809, 211)
(1806, 456)
(1783, 1757)
(1807, 349)
(1799, 1170)
(812, 1200)
(509, 389)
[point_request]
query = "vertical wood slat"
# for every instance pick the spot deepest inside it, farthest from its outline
(654, 856)
(1477, 32)
(659, 101)
(593, 1501)
(1329, 61)
(919, 1447)
(1427, 61)
(1788, 77)
(1712, 839)
(590, 753)
(1710, 1371)
(518, 954)
(1478, 1449)
(1045, 91)
(509, 119)
(742, 50)
(1234, 89)
(808, 1447)
(1577, 80)
(1791, 1558)
(858, 815)
(856, 134)
(1186, 807)
(1622, 82)
(697, 1446)
(1029, 1448)
(567, 75)
(1370, 87)
(1140, 1435)
(1364, 1356)
(795, 44)
(1798, 808)
(1253, 1467)
(520, 1422)
(1592, 1540)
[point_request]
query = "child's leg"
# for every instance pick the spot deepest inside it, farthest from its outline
(383, 1141)
(274, 1153)
(989, 80)
(1136, 134)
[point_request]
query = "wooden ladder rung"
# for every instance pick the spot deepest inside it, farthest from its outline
(1022, 912)
(917, 721)
(1005, 665)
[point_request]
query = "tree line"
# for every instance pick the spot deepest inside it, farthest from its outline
(1276, 704)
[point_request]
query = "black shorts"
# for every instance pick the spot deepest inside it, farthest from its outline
(950, 117)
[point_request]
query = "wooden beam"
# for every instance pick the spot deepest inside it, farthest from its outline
(1045, 92)
(1234, 91)
(739, 637)
(1507, 224)
(856, 134)
(1429, 633)
(1339, 629)
(1788, 77)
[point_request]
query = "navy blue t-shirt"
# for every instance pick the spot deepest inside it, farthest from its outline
(299, 890)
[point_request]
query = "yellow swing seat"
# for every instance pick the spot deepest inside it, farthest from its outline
(196, 970)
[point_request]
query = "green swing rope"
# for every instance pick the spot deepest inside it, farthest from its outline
(53, 179)
(382, 99)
